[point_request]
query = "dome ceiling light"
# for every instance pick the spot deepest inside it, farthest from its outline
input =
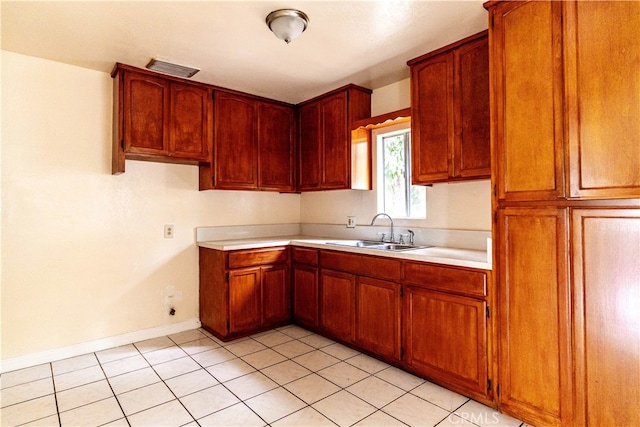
(287, 24)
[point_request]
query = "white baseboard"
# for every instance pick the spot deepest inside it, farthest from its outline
(48, 356)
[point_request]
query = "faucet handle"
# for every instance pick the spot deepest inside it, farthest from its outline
(411, 236)
(382, 236)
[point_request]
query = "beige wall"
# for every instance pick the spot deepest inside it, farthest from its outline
(460, 206)
(83, 253)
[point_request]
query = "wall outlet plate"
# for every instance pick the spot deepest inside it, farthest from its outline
(168, 231)
(351, 222)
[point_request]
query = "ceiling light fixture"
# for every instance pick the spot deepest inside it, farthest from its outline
(287, 24)
(169, 68)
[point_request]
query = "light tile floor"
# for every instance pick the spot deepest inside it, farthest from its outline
(284, 377)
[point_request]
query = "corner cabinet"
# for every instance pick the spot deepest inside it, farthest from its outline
(305, 287)
(158, 118)
(244, 291)
(253, 145)
(450, 112)
(324, 129)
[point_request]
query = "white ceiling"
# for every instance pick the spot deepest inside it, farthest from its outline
(363, 42)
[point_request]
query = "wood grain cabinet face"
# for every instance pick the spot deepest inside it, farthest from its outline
(535, 323)
(450, 113)
(337, 304)
(305, 287)
(445, 338)
(325, 137)
(606, 294)
(566, 105)
(253, 145)
(378, 317)
(161, 120)
(244, 291)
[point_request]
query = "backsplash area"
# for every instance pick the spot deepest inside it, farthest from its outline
(463, 239)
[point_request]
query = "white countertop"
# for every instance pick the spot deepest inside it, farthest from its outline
(438, 255)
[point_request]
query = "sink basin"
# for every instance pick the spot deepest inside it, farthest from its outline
(369, 244)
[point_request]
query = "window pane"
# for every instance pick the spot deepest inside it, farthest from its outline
(395, 177)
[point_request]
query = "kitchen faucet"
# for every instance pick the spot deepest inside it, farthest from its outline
(391, 237)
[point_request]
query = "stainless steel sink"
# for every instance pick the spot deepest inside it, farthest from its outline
(369, 244)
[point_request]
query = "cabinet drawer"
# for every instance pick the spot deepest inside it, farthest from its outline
(305, 256)
(362, 265)
(472, 283)
(247, 258)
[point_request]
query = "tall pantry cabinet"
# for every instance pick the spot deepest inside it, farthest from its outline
(565, 108)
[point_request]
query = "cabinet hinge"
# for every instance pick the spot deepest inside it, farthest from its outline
(488, 385)
(495, 190)
(401, 353)
(122, 144)
(498, 389)
(228, 325)
(488, 312)
(228, 276)
(401, 292)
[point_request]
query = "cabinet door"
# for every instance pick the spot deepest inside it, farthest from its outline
(235, 155)
(471, 153)
(245, 302)
(534, 325)
(310, 147)
(336, 159)
(305, 295)
(276, 294)
(602, 46)
(276, 133)
(146, 112)
(527, 107)
(606, 266)
(432, 119)
(378, 317)
(445, 338)
(337, 304)
(190, 135)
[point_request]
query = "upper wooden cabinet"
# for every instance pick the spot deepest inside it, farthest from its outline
(325, 137)
(450, 112)
(253, 145)
(159, 118)
(566, 99)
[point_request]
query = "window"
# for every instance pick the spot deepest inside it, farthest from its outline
(396, 196)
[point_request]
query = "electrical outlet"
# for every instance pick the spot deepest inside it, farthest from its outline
(351, 222)
(168, 231)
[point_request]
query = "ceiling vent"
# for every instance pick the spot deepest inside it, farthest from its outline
(169, 68)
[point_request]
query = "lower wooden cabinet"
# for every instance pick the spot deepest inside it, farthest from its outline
(245, 291)
(305, 287)
(606, 316)
(378, 317)
(445, 339)
(337, 304)
(534, 328)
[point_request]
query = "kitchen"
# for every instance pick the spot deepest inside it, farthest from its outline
(84, 250)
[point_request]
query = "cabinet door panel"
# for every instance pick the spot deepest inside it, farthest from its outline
(472, 140)
(337, 304)
(446, 338)
(189, 136)
(528, 108)
(305, 295)
(235, 154)
(276, 293)
(245, 305)
(146, 106)
(310, 147)
(336, 160)
(606, 317)
(534, 326)
(378, 317)
(276, 146)
(432, 119)
(604, 98)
